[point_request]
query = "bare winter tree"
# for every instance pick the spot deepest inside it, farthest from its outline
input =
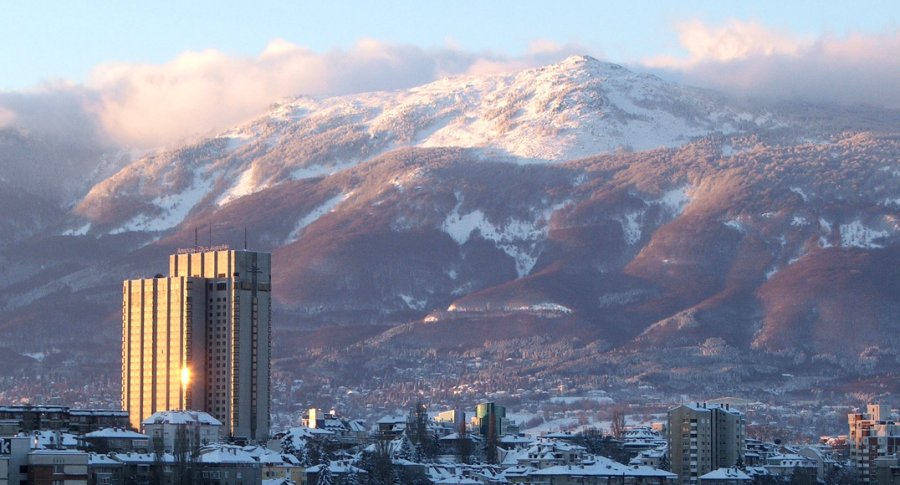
(617, 427)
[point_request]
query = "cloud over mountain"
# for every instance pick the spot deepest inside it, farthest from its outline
(749, 58)
(146, 106)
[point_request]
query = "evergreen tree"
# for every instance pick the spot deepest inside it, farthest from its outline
(404, 449)
(287, 445)
(664, 462)
(324, 477)
(313, 453)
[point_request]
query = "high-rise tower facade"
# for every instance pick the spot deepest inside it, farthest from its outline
(200, 339)
(872, 435)
(703, 438)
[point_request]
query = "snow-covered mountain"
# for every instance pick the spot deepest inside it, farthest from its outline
(578, 202)
(573, 109)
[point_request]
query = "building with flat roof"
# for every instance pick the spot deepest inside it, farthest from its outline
(702, 438)
(872, 435)
(200, 339)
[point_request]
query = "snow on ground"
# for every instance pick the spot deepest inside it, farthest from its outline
(574, 399)
(38, 356)
(825, 227)
(320, 170)
(313, 215)
(413, 303)
(81, 231)
(245, 185)
(174, 208)
(631, 226)
(516, 237)
(857, 235)
(798, 221)
(544, 307)
(735, 224)
(799, 191)
(676, 200)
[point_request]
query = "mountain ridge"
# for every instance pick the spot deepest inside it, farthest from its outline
(756, 238)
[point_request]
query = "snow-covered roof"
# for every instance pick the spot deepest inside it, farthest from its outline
(276, 481)
(516, 440)
(265, 455)
(102, 459)
(707, 407)
(604, 467)
(182, 417)
(138, 458)
(358, 425)
(116, 433)
(57, 452)
(726, 474)
(337, 466)
(221, 453)
(51, 439)
(392, 419)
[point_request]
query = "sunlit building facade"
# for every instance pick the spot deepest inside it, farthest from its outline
(703, 438)
(200, 339)
(873, 435)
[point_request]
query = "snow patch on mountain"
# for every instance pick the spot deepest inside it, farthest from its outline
(400, 182)
(735, 224)
(80, 231)
(413, 303)
(174, 208)
(825, 227)
(631, 226)
(246, 185)
(799, 221)
(314, 215)
(675, 200)
(857, 235)
(314, 171)
(800, 192)
(518, 238)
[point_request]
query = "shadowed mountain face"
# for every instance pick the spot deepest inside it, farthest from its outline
(453, 215)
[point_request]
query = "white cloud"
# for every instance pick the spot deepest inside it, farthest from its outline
(148, 105)
(7, 117)
(751, 59)
(735, 40)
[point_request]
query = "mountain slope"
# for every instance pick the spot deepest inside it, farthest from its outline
(458, 219)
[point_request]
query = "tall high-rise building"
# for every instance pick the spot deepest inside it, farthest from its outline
(873, 435)
(200, 339)
(703, 438)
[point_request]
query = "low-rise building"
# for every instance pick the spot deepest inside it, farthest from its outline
(115, 439)
(28, 418)
(726, 476)
(186, 430)
(51, 467)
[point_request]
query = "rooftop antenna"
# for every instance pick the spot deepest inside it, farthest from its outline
(196, 237)
(245, 238)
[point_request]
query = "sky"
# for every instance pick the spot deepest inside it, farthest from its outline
(131, 68)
